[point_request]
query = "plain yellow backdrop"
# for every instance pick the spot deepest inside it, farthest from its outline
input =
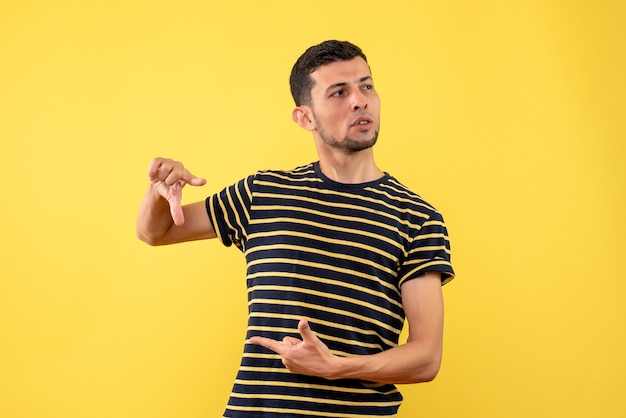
(507, 116)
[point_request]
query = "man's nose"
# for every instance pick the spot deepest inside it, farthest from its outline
(359, 101)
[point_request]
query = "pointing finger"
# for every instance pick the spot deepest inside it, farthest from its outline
(275, 346)
(193, 180)
(175, 202)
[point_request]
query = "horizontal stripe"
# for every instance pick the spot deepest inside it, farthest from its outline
(312, 400)
(366, 276)
(321, 204)
(321, 225)
(309, 413)
(325, 253)
(329, 388)
(332, 282)
(327, 308)
(356, 197)
(324, 337)
(343, 327)
(362, 303)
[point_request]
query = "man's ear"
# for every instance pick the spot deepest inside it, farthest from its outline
(303, 116)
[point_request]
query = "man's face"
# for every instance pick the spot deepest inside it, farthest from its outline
(345, 105)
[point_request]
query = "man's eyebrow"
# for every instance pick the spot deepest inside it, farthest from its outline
(343, 83)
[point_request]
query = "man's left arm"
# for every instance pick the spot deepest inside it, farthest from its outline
(418, 360)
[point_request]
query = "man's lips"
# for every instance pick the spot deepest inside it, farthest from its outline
(362, 121)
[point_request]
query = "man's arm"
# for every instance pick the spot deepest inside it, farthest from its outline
(418, 360)
(162, 219)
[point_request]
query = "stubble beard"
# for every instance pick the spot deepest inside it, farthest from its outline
(348, 143)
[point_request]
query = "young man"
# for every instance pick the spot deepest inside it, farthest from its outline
(339, 254)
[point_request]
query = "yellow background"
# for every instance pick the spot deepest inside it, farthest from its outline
(507, 116)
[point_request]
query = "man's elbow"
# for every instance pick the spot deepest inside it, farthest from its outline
(148, 239)
(428, 371)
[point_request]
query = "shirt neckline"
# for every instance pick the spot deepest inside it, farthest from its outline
(347, 186)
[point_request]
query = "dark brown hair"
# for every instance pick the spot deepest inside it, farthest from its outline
(327, 52)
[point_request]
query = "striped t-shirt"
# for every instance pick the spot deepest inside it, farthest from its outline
(337, 255)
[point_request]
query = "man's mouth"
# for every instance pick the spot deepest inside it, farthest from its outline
(362, 121)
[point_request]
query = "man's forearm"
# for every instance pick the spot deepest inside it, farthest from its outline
(154, 218)
(407, 363)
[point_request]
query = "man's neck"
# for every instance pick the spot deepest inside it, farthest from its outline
(352, 168)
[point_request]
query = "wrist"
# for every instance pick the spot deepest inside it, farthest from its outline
(350, 367)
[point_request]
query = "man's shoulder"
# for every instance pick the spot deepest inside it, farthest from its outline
(302, 173)
(297, 171)
(404, 195)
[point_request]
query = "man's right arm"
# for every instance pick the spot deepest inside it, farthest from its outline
(162, 219)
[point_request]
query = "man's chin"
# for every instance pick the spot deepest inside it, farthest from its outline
(356, 145)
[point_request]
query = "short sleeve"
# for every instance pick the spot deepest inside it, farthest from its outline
(229, 211)
(429, 252)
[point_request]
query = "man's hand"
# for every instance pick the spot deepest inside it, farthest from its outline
(309, 356)
(170, 177)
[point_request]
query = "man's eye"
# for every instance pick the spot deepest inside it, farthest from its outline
(368, 87)
(338, 93)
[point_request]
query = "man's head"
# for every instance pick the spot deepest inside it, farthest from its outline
(335, 97)
(327, 52)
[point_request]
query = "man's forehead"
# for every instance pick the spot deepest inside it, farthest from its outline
(351, 71)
